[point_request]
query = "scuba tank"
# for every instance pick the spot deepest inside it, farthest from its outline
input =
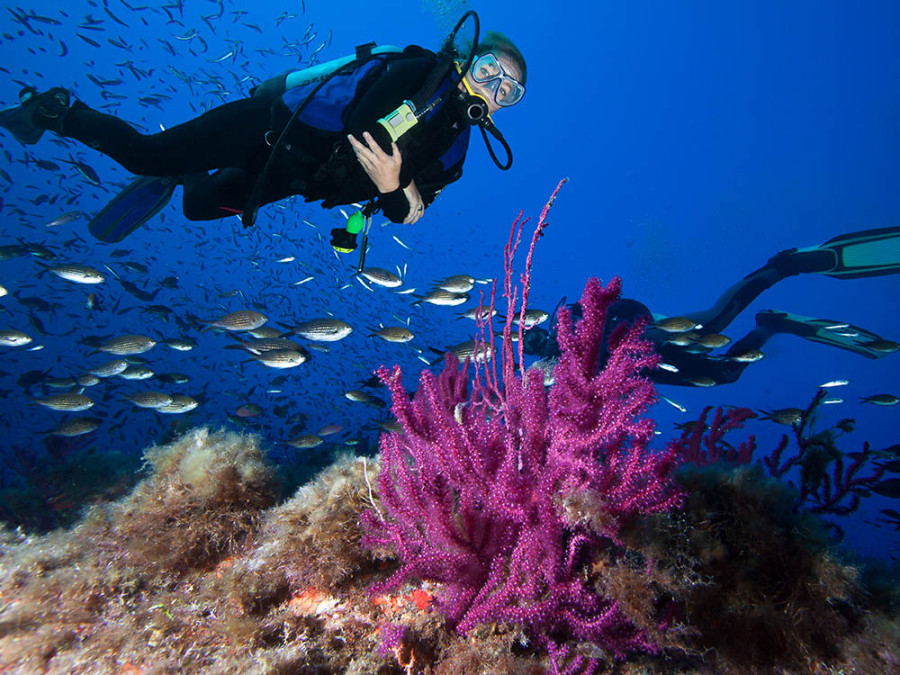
(278, 85)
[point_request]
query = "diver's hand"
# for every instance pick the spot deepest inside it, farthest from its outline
(382, 168)
(416, 204)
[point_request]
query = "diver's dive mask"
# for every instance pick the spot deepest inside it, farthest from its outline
(490, 74)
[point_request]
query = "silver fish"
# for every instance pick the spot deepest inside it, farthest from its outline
(180, 404)
(88, 380)
(677, 324)
(13, 338)
(785, 416)
(442, 298)
(80, 274)
(136, 373)
(533, 317)
(243, 319)
(282, 358)
(305, 441)
(126, 345)
(323, 330)
(181, 345)
(77, 427)
(749, 356)
(393, 334)
(475, 312)
(110, 368)
(359, 396)
(381, 277)
(458, 283)
(150, 399)
(265, 333)
(66, 402)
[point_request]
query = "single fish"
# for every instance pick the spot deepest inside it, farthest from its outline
(180, 344)
(749, 356)
(381, 277)
(180, 404)
(65, 218)
(150, 399)
(323, 330)
(533, 317)
(282, 358)
(66, 402)
(398, 334)
(674, 404)
(173, 378)
(265, 345)
(242, 320)
(10, 337)
(478, 312)
(786, 416)
(713, 340)
(265, 333)
(305, 441)
(458, 283)
(80, 274)
(249, 410)
(465, 350)
(442, 298)
(834, 383)
(677, 324)
(59, 382)
(358, 396)
(77, 427)
(126, 345)
(87, 380)
(136, 373)
(110, 368)
(881, 399)
(889, 487)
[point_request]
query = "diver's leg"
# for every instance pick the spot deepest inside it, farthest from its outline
(222, 194)
(849, 256)
(231, 135)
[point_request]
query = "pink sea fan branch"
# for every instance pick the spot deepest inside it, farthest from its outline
(473, 490)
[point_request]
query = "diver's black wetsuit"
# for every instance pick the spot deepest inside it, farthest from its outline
(318, 164)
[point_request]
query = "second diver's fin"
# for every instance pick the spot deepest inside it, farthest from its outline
(867, 253)
(18, 119)
(142, 199)
(827, 331)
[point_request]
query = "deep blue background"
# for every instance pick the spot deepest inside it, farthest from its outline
(700, 138)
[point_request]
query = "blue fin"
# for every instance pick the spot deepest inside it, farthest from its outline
(132, 207)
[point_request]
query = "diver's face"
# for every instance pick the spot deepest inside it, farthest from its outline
(494, 85)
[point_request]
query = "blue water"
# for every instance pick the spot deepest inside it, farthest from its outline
(700, 139)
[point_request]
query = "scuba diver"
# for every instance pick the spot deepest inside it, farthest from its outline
(384, 126)
(685, 342)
